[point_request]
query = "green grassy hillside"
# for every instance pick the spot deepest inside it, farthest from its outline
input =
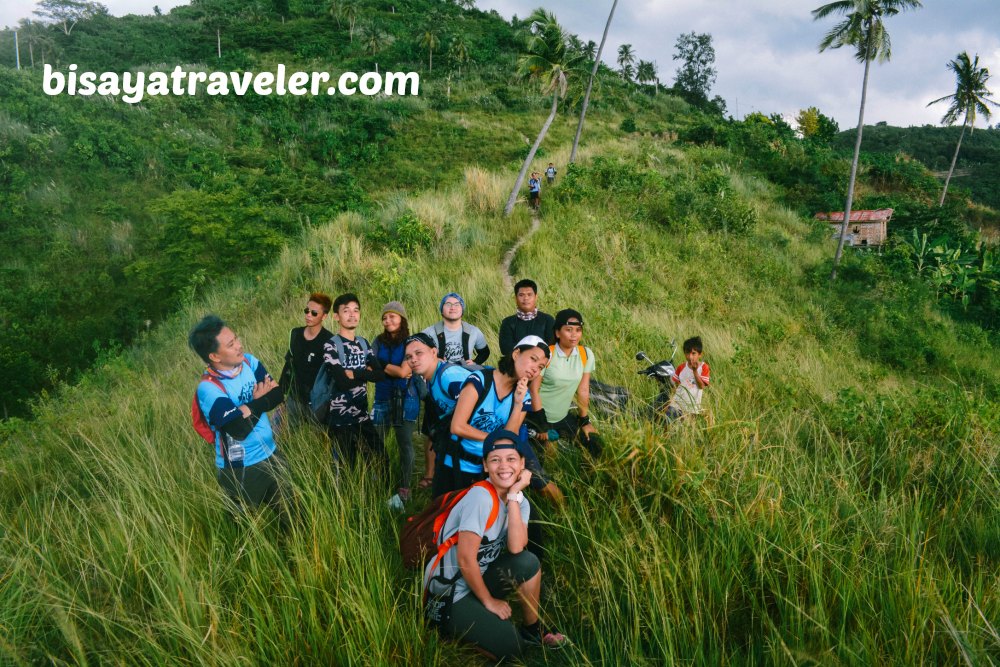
(840, 510)
(115, 214)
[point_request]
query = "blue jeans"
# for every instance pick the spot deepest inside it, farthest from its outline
(403, 428)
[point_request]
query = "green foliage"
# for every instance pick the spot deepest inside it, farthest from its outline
(403, 235)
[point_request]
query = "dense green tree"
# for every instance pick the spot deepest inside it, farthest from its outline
(547, 61)
(971, 97)
(696, 73)
(862, 28)
(594, 54)
(67, 13)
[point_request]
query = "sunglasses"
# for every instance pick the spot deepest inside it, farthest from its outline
(310, 311)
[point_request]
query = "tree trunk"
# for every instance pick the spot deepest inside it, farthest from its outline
(31, 54)
(954, 159)
(590, 84)
(854, 162)
(218, 42)
(531, 155)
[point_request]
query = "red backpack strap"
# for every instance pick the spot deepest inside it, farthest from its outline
(439, 521)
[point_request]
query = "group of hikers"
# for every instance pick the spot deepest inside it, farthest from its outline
(476, 420)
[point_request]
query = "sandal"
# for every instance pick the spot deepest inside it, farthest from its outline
(425, 482)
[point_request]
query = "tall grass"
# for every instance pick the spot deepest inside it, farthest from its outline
(836, 512)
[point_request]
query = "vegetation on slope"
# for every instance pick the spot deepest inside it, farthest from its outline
(841, 508)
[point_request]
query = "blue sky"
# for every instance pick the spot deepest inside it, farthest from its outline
(766, 52)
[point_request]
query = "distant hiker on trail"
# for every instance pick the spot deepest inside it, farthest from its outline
(457, 341)
(550, 174)
(468, 585)
(234, 395)
(568, 376)
(305, 356)
(691, 378)
(444, 382)
(490, 399)
(534, 190)
(352, 366)
(396, 401)
(527, 320)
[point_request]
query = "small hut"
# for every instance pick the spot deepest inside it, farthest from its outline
(867, 228)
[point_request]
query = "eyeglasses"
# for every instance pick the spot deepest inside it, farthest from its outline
(452, 304)
(310, 311)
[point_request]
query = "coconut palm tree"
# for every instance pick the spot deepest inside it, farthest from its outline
(971, 97)
(374, 38)
(349, 10)
(590, 50)
(459, 51)
(863, 28)
(645, 71)
(548, 61)
(626, 61)
(430, 40)
(596, 57)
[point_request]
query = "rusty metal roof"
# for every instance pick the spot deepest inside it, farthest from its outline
(880, 215)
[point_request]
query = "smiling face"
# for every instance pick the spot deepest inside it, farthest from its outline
(229, 354)
(503, 466)
(391, 322)
(422, 359)
(526, 299)
(451, 309)
(349, 315)
(529, 363)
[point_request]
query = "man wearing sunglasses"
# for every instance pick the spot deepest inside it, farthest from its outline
(305, 356)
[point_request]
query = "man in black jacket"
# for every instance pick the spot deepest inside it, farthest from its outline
(527, 320)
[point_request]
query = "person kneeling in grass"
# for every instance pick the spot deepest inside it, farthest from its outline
(567, 377)
(472, 580)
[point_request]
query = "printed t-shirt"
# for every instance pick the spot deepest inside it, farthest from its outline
(453, 342)
(687, 398)
(491, 413)
(351, 406)
(471, 514)
(221, 407)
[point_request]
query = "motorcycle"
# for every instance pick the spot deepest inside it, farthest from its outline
(661, 372)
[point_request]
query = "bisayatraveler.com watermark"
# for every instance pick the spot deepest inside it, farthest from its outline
(132, 87)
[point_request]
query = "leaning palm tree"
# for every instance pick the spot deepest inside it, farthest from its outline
(971, 97)
(863, 28)
(626, 60)
(596, 57)
(547, 61)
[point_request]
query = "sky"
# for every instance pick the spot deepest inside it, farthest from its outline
(766, 50)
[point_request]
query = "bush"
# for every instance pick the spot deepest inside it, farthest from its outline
(403, 235)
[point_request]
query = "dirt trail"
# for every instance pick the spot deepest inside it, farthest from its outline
(508, 257)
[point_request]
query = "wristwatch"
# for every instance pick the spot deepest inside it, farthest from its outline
(516, 497)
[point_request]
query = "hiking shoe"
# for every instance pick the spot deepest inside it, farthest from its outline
(549, 637)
